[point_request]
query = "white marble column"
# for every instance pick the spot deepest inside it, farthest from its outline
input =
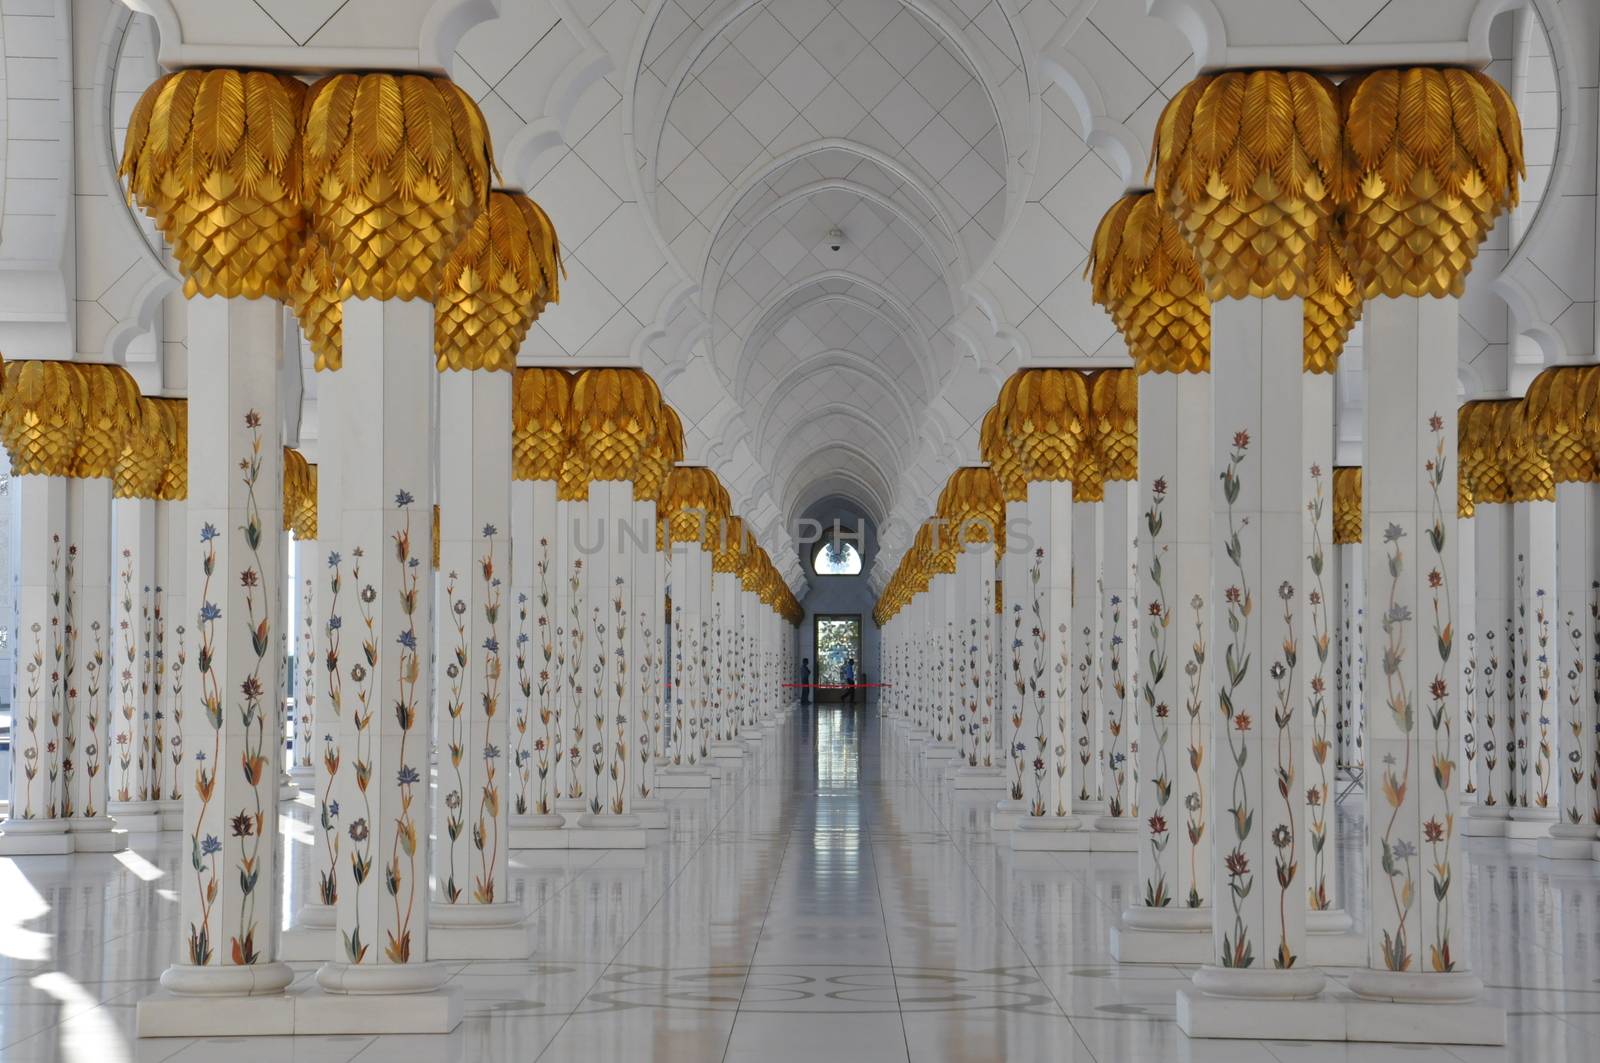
(1416, 892)
(542, 750)
(1534, 540)
(1013, 640)
(344, 651)
(690, 587)
(975, 628)
(380, 407)
(645, 648)
(1326, 919)
(1118, 656)
(572, 636)
(1049, 678)
(1258, 771)
(1088, 716)
(726, 660)
(35, 823)
(1170, 918)
(91, 670)
(134, 794)
(1496, 693)
(473, 915)
(308, 560)
(1577, 608)
(175, 636)
(1353, 621)
(228, 883)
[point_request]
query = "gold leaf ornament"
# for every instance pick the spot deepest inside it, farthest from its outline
(691, 497)
(1145, 276)
(665, 451)
(1346, 504)
(213, 156)
(42, 416)
(1332, 307)
(995, 447)
(396, 169)
(1048, 424)
(316, 295)
(496, 284)
(146, 452)
(1114, 408)
(175, 481)
(541, 402)
(1246, 162)
(111, 408)
(1558, 411)
(1529, 475)
(615, 413)
(1432, 156)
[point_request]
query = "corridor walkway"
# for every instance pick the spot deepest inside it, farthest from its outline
(828, 902)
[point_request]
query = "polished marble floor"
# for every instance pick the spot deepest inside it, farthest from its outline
(827, 901)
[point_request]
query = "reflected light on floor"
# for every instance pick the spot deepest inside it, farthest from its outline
(87, 1034)
(19, 903)
(146, 871)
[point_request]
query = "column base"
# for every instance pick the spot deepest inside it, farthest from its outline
(480, 932)
(1162, 935)
(395, 998)
(1049, 834)
(312, 938)
(304, 776)
(219, 1001)
(968, 777)
(172, 814)
(650, 813)
(287, 790)
(938, 750)
(727, 750)
(585, 831)
(1568, 841)
(139, 817)
(1486, 821)
(1123, 824)
(1530, 822)
(1006, 814)
(98, 835)
(1090, 810)
(682, 778)
(1424, 1008)
(35, 837)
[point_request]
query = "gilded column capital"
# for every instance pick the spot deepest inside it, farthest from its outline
(1346, 504)
(1431, 158)
(110, 410)
(1557, 411)
(665, 451)
(1048, 424)
(175, 480)
(995, 448)
(42, 416)
(146, 453)
(1144, 274)
(689, 499)
(541, 401)
(1114, 408)
(615, 413)
(214, 157)
(395, 170)
(1246, 161)
(495, 284)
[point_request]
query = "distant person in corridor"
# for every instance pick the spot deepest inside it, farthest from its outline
(805, 680)
(849, 676)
